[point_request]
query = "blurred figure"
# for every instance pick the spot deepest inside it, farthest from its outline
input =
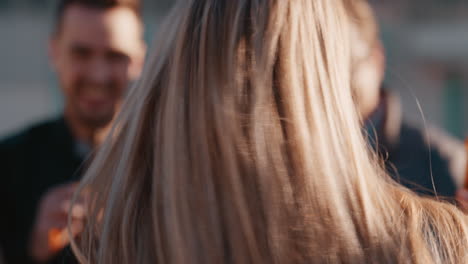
(96, 49)
(242, 144)
(413, 155)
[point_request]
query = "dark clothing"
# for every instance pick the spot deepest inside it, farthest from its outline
(412, 153)
(32, 162)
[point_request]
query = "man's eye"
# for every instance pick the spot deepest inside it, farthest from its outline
(81, 53)
(117, 57)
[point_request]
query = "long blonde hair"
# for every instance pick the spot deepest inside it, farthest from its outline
(241, 144)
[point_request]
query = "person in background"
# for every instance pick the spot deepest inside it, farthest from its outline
(426, 159)
(241, 143)
(97, 50)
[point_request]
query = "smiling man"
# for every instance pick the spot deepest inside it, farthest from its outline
(96, 49)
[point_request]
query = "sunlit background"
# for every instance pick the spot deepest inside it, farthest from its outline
(426, 43)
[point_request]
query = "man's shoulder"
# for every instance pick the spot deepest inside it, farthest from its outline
(450, 149)
(443, 147)
(30, 136)
(411, 135)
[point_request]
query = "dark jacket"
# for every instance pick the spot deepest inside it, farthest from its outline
(419, 158)
(31, 163)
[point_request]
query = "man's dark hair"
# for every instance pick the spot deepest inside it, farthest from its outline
(62, 6)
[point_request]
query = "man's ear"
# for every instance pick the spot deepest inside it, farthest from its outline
(378, 55)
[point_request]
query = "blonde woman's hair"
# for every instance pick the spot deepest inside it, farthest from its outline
(241, 144)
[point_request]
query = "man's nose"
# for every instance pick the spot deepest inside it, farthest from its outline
(99, 72)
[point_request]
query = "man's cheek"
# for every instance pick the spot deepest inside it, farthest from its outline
(119, 85)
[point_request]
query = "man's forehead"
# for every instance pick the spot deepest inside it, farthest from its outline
(117, 26)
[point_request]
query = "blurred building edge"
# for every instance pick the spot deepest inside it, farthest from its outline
(444, 45)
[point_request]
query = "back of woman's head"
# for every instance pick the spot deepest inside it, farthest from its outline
(241, 145)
